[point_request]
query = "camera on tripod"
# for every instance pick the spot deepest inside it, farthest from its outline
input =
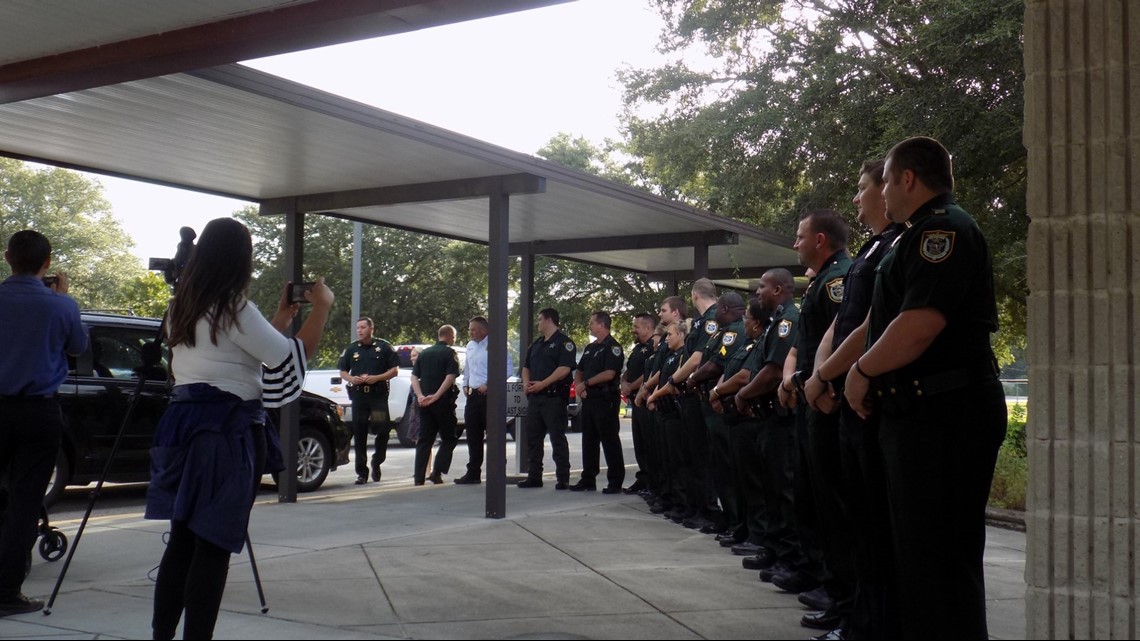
(171, 268)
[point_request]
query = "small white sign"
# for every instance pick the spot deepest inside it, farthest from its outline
(516, 399)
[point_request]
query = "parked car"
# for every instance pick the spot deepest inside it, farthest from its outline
(99, 388)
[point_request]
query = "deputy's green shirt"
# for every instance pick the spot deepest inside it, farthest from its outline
(433, 366)
(941, 261)
(703, 328)
(375, 357)
(818, 307)
(724, 343)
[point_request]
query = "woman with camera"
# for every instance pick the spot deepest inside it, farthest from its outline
(211, 446)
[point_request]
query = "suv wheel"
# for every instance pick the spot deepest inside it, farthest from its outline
(314, 459)
(60, 475)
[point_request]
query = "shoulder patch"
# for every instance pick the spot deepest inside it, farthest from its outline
(835, 290)
(454, 356)
(728, 339)
(784, 329)
(710, 327)
(569, 346)
(616, 350)
(936, 246)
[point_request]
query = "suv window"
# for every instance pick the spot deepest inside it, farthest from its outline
(117, 352)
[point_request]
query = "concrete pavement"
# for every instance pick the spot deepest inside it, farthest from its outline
(390, 560)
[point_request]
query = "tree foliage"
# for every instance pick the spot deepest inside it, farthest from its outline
(412, 283)
(575, 289)
(87, 241)
(792, 95)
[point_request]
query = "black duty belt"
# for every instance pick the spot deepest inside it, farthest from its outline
(473, 391)
(896, 392)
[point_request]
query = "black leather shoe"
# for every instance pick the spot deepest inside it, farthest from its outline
(696, 523)
(836, 634)
(817, 599)
(795, 582)
(612, 489)
(361, 480)
(582, 486)
(714, 528)
(19, 604)
(375, 475)
(761, 561)
(562, 485)
(660, 508)
(436, 479)
(530, 483)
(825, 620)
(777, 568)
(417, 483)
(468, 480)
(746, 548)
(727, 536)
(635, 488)
(675, 515)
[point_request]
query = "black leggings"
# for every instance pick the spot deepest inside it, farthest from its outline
(192, 574)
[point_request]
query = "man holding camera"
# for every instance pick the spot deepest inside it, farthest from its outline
(366, 366)
(39, 328)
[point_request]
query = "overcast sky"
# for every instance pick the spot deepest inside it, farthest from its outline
(514, 80)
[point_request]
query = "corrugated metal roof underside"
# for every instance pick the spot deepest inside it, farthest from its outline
(241, 132)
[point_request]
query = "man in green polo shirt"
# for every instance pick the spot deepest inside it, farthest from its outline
(433, 382)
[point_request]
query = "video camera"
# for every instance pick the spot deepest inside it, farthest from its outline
(171, 268)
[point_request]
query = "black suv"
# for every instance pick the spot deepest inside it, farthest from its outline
(99, 388)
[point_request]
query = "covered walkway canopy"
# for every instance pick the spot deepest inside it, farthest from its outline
(238, 132)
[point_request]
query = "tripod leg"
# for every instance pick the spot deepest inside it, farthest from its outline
(256, 574)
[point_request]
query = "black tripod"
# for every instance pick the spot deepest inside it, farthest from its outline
(149, 370)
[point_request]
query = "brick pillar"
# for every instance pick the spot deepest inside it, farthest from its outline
(1082, 132)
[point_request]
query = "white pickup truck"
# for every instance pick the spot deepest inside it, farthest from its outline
(327, 383)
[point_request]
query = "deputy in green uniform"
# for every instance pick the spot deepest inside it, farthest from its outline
(366, 366)
(433, 383)
(597, 387)
(728, 338)
(743, 430)
(636, 371)
(781, 551)
(669, 492)
(666, 407)
(546, 378)
(821, 242)
(931, 377)
(699, 495)
(864, 614)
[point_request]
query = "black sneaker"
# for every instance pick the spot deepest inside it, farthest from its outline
(19, 604)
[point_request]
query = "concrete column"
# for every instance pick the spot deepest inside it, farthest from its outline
(1082, 60)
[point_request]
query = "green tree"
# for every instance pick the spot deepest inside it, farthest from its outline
(411, 283)
(87, 241)
(578, 289)
(147, 295)
(792, 95)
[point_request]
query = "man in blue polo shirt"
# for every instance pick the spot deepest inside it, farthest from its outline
(39, 327)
